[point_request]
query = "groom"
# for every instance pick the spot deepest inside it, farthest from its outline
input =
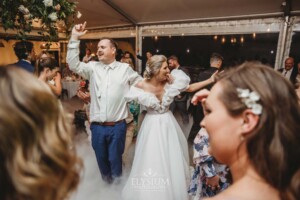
(109, 82)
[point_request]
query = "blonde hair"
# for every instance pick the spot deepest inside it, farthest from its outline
(153, 65)
(37, 159)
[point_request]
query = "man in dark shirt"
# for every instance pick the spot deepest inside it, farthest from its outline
(216, 61)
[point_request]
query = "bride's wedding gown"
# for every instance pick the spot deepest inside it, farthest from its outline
(160, 169)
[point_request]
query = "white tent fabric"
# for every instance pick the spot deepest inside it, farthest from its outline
(118, 13)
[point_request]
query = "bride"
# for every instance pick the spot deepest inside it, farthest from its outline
(160, 169)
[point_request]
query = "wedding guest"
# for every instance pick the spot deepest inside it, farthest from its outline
(48, 72)
(180, 105)
(38, 161)
(289, 71)
(131, 120)
(88, 55)
(26, 55)
(109, 80)
(144, 59)
(216, 61)
(252, 118)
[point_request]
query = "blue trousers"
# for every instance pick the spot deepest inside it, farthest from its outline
(108, 143)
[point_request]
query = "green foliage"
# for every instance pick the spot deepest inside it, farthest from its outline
(19, 15)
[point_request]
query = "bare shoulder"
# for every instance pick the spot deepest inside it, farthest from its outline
(140, 84)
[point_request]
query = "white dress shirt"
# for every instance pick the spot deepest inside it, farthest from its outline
(108, 85)
(287, 73)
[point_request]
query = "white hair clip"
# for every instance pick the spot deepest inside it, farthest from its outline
(250, 100)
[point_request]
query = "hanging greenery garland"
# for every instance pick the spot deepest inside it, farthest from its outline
(20, 15)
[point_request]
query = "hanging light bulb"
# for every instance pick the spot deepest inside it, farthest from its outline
(242, 39)
(156, 37)
(215, 37)
(223, 40)
(254, 35)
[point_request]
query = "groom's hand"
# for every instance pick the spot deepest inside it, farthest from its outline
(78, 31)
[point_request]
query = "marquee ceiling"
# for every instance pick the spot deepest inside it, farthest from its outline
(101, 14)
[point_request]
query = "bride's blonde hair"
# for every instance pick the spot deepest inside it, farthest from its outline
(153, 65)
(37, 158)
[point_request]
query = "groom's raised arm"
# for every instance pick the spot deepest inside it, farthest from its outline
(75, 65)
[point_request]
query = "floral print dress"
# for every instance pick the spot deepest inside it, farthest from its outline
(206, 167)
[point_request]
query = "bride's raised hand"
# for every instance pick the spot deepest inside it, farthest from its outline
(78, 31)
(170, 78)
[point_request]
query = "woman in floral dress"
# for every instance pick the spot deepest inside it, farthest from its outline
(209, 177)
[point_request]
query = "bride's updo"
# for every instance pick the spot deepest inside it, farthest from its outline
(153, 65)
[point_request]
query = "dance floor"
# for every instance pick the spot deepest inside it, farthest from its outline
(91, 187)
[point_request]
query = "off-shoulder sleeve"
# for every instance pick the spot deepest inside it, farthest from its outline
(142, 97)
(181, 82)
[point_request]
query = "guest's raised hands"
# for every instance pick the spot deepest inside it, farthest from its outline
(200, 96)
(78, 31)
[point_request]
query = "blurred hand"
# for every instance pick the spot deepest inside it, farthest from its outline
(170, 78)
(85, 96)
(213, 182)
(53, 73)
(212, 78)
(78, 31)
(199, 96)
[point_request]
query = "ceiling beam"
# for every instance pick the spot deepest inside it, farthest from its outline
(121, 12)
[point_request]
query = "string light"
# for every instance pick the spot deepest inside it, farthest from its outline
(242, 39)
(215, 37)
(254, 35)
(223, 40)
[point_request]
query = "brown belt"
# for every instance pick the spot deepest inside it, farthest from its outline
(108, 123)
